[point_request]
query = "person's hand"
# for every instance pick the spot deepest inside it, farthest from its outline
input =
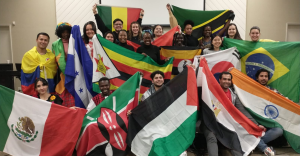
(74, 107)
(191, 65)
(200, 58)
(129, 112)
(168, 6)
(167, 59)
(229, 69)
(142, 13)
(179, 28)
(231, 11)
(141, 74)
(144, 54)
(262, 127)
(95, 9)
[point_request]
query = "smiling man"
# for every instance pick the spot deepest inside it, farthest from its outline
(157, 82)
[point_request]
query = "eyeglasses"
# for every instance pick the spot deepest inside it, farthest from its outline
(118, 24)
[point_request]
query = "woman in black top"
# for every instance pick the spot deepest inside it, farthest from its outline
(179, 40)
(109, 36)
(41, 86)
(188, 29)
(150, 50)
(123, 40)
(135, 33)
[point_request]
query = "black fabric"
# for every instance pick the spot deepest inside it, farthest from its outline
(155, 104)
(57, 100)
(125, 45)
(152, 51)
(191, 41)
(135, 40)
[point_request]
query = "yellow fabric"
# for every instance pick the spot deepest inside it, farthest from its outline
(32, 59)
(267, 40)
(121, 13)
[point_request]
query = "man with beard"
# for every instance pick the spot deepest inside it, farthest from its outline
(157, 82)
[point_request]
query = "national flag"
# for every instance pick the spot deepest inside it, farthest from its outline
(102, 65)
(33, 67)
(232, 128)
(79, 70)
(164, 40)
(269, 108)
(109, 13)
(32, 127)
(58, 50)
(221, 61)
(281, 59)
(128, 63)
(165, 123)
(104, 128)
(182, 56)
(215, 19)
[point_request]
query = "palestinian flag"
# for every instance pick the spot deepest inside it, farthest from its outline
(215, 19)
(30, 126)
(109, 13)
(104, 128)
(128, 63)
(281, 59)
(269, 108)
(182, 56)
(165, 123)
(230, 126)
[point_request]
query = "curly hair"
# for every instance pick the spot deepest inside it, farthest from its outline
(130, 33)
(175, 37)
(186, 22)
(60, 29)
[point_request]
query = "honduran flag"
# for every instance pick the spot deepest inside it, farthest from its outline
(109, 13)
(79, 70)
(32, 127)
(165, 123)
(269, 108)
(232, 128)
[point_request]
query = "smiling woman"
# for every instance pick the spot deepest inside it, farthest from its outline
(41, 87)
(123, 40)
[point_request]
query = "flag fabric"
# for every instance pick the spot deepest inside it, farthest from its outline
(97, 137)
(165, 123)
(164, 40)
(128, 63)
(230, 126)
(79, 70)
(281, 59)
(33, 67)
(221, 61)
(32, 127)
(58, 50)
(109, 13)
(182, 56)
(102, 65)
(269, 108)
(215, 19)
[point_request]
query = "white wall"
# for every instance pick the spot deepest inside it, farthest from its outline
(238, 6)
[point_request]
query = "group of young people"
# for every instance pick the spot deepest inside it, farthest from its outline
(144, 37)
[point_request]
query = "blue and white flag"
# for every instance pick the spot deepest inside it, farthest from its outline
(79, 70)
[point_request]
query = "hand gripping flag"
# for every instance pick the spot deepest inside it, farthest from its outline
(269, 108)
(104, 128)
(79, 70)
(232, 128)
(281, 59)
(33, 127)
(165, 123)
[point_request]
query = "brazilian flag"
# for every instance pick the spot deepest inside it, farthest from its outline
(215, 19)
(281, 59)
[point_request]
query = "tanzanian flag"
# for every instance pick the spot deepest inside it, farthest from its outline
(215, 19)
(128, 63)
(109, 13)
(281, 59)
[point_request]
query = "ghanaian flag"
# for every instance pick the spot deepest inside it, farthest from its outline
(215, 19)
(109, 13)
(128, 63)
(182, 56)
(281, 59)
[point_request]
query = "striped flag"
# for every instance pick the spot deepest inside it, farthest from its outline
(182, 56)
(269, 108)
(79, 70)
(165, 123)
(215, 19)
(32, 127)
(109, 13)
(232, 128)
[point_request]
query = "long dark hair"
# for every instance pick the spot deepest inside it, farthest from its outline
(130, 34)
(162, 29)
(109, 32)
(85, 37)
(212, 38)
(45, 83)
(176, 35)
(237, 34)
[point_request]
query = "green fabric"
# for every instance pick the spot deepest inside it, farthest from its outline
(281, 58)
(58, 48)
(6, 104)
(105, 14)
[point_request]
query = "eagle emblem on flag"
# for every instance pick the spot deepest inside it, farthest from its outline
(24, 129)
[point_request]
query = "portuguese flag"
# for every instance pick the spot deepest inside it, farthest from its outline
(215, 19)
(109, 13)
(281, 59)
(30, 126)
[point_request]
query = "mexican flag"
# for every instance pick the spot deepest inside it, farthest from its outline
(165, 123)
(30, 126)
(269, 108)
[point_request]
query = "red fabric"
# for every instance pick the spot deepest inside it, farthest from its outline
(134, 45)
(133, 14)
(166, 39)
(68, 99)
(192, 91)
(228, 94)
(99, 98)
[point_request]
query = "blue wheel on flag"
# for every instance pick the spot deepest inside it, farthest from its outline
(271, 111)
(257, 61)
(220, 67)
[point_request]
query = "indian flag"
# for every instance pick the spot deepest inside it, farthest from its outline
(30, 126)
(109, 13)
(269, 108)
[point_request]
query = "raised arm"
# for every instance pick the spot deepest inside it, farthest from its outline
(221, 32)
(141, 17)
(173, 20)
(100, 24)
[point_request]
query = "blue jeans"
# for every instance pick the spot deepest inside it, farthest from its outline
(270, 135)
